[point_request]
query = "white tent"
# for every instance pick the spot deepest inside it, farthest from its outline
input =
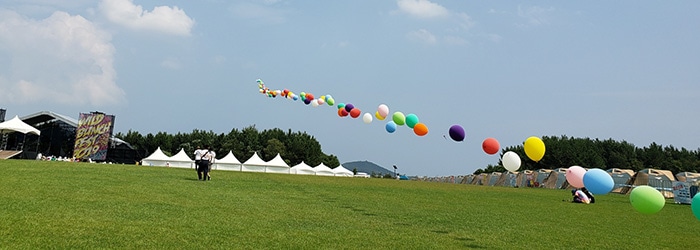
(322, 169)
(302, 168)
(277, 165)
(342, 171)
(228, 162)
(17, 125)
(254, 164)
(157, 158)
(181, 160)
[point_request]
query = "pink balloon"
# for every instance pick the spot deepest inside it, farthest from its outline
(383, 110)
(574, 175)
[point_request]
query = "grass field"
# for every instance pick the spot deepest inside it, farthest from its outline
(83, 205)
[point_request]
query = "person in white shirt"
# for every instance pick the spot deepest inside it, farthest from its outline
(203, 171)
(212, 158)
(197, 159)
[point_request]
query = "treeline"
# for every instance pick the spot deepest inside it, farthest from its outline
(566, 151)
(294, 147)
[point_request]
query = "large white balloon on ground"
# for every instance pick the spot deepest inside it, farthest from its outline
(511, 161)
(574, 175)
(597, 181)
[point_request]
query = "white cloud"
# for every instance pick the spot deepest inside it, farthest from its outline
(171, 63)
(535, 15)
(258, 12)
(422, 8)
(62, 59)
(422, 35)
(465, 21)
(171, 20)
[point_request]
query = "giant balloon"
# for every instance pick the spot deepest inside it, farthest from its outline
(490, 145)
(355, 112)
(383, 110)
(511, 161)
(390, 127)
(574, 175)
(457, 133)
(411, 120)
(647, 200)
(349, 107)
(420, 129)
(367, 118)
(695, 206)
(399, 118)
(380, 117)
(598, 181)
(534, 148)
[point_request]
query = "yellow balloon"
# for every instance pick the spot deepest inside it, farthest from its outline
(534, 148)
(376, 114)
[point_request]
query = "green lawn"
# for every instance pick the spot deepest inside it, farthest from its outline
(82, 205)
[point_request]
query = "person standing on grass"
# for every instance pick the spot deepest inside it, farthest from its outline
(212, 158)
(203, 171)
(197, 159)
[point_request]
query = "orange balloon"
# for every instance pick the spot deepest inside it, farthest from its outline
(491, 146)
(342, 112)
(420, 129)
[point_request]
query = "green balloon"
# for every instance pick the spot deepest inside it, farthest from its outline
(695, 205)
(330, 101)
(341, 105)
(647, 200)
(411, 120)
(399, 118)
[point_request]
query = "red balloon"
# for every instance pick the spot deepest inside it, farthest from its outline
(355, 112)
(491, 146)
(309, 96)
(342, 112)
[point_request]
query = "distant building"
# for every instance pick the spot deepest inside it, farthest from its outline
(58, 133)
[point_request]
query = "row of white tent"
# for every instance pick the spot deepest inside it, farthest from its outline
(254, 164)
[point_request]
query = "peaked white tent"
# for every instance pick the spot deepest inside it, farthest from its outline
(277, 165)
(181, 160)
(322, 169)
(342, 171)
(228, 162)
(254, 164)
(157, 158)
(17, 125)
(302, 168)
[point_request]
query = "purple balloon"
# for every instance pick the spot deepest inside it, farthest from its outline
(349, 107)
(307, 101)
(457, 133)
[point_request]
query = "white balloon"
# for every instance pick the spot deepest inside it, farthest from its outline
(367, 118)
(511, 161)
(314, 102)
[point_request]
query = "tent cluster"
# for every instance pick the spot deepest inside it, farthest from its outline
(255, 164)
(624, 179)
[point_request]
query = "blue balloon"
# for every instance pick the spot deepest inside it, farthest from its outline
(391, 127)
(597, 181)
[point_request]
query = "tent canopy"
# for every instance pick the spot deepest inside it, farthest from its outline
(229, 158)
(157, 155)
(17, 125)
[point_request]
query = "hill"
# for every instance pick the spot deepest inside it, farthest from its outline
(367, 167)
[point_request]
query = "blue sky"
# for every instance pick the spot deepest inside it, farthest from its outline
(626, 70)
